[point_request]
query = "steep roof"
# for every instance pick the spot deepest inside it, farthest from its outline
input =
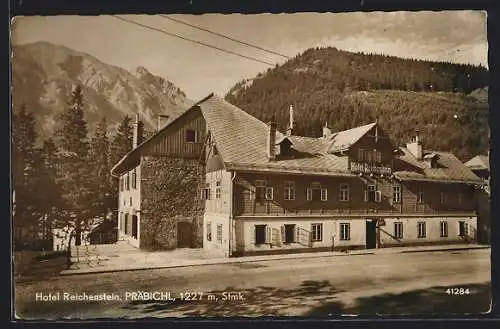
(449, 168)
(342, 140)
(479, 162)
(242, 141)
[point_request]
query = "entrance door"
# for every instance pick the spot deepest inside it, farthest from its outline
(371, 234)
(184, 235)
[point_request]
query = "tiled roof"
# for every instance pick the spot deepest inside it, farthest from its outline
(479, 162)
(342, 140)
(242, 141)
(449, 168)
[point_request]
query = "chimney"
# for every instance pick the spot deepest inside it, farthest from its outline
(415, 146)
(289, 130)
(271, 140)
(326, 131)
(159, 124)
(138, 132)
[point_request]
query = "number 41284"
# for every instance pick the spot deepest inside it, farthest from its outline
(458, 291)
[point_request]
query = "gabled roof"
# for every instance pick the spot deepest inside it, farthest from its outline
(479, 162)
(132, 158)
(241, 140)
(343, 140)
(449, 168)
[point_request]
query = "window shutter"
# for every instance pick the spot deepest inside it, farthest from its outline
(282, 233)
(378, 196)
(268, 234)
(366, 195)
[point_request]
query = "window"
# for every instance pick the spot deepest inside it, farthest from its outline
(209, 231)
(121, 183)
(324, 194)
(309, 194)
(219, 233)
(126, 224)
(370, 193)
(260, 234)
(398, 230)
(260, 189)
(463, 228)
(289, 232)
(344, 192)
(130, 201)
(444, 229)
(316, 232)
(368, 156)
(289, 190)
(361, 155)
(269, 193)
(127, 182)
(345, 231)
(218, 190)
(378, 156)
(420, 197)
(442, 198)
(191, 136)
(134, 179)
(205, 192)
(421, 229)
(396, 194)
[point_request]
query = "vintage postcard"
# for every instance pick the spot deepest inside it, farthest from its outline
(306, 164)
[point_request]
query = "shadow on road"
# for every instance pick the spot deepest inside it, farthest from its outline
(260, 301)
(432, 301)
(319, 299)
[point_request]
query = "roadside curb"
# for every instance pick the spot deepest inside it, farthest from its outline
(222, 261)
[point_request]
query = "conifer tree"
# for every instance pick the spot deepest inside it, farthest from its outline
(74, 173)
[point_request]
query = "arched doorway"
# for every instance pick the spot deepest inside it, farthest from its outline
(184, 235)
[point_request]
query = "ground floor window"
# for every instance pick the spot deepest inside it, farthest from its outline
(421, 229)
(289, 233)
(444, 229)
(126, 224)
(260, 234)
(398, 230)
(219, 233)
(345, 231)
(316, 232)
(134, 226)
(209, 231)
(463, 229)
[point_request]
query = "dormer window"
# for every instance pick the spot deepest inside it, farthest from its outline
(285, 146)
(431, 160)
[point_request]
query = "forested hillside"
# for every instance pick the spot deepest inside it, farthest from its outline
(446, 102)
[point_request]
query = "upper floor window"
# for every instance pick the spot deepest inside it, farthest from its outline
(191, 136)
(127, 181)
(372, 195)
(121, 183)
(269, 193)
(260, 189)
(344, 192)
(316, 192)
(420, 197)
(205, 192)
(218, 192)
(289, 190)
(134, 179)
(442, 198)
(396, 194)
(361, 155)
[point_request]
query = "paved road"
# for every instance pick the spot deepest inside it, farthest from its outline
(413, 283)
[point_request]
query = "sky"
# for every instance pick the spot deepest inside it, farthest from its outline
(455, 36)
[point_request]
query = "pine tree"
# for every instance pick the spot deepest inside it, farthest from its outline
(100, 156)
(24, 161)
(122, 141)
(75, 173)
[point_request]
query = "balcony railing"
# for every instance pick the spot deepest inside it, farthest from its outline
(370, 168)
